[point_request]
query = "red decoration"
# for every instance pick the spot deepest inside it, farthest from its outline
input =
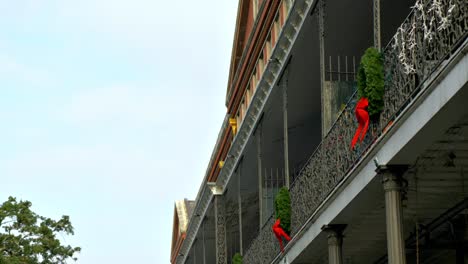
(363, 119)
(279, 233)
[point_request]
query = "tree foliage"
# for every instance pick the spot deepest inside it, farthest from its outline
(27, 238)
(237, 259)
(370, 80)
(283, 209)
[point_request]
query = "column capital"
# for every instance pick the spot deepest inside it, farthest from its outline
(215, 189)
(335, 242)
(397, 169)
(392, 176)
(334, 233)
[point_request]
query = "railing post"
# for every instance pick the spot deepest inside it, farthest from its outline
(335, 243)
(393, 186)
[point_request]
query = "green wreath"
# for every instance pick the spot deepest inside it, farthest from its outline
(283, 209)
(370, 81)
(237, 259)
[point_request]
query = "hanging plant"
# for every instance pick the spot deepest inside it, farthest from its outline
(237, 259)
(283, 209)
(370, 81)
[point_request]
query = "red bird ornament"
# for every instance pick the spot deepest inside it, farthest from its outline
(279, 233)
(363, 119)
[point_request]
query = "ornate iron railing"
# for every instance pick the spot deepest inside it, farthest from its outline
(430, 34)
(265, 245)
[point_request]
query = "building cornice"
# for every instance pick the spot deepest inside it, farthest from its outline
(249, 54)
(242, 80)
(241, 27)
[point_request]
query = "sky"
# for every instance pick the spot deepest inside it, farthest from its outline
(109, 112)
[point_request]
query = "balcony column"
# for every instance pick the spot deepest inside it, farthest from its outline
(376, 9)
(335, 243)
(220, 222)
(203, 241)
(284, 84)
(321, 24)
(393, 186)
(195, 252)
(239, 201)
(259, 174)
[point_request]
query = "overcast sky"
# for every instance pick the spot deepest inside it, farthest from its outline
(109, 111)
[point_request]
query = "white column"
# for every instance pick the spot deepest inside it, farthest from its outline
(392, 184)
(335, 243)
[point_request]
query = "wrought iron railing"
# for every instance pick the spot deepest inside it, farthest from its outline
(430, 34)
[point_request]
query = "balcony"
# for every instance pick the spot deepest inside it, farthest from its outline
(422, 46)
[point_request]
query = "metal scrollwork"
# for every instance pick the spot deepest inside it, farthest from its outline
(265, 244)
(427, 38)
(220, 223)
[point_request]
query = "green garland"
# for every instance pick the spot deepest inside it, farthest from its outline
(283, 209)
(370, 81)
(237, 259)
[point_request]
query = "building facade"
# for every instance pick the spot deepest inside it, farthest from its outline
(294, 92)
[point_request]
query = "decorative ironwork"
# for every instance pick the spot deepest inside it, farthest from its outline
(430, 34)
(220, 224)
(265, 246)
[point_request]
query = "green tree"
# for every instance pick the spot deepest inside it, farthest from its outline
(27, 238)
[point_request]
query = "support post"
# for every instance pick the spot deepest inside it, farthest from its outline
(259, 174)
(376, 9)
(220, 224)
(321, 23)
(195, 252)
(203, 237)
(284, 84)
(239, 201)
(393, 186)
(335, 243)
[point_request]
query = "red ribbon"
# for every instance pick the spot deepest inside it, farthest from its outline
(363, 119)
(279, 233)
